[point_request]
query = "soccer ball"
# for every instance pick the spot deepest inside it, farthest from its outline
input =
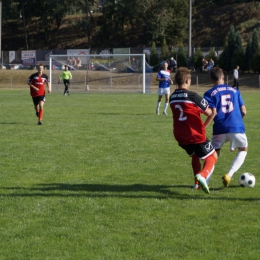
(246, 180)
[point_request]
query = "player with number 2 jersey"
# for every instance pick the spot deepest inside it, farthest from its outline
(187, 107)
(189, 129)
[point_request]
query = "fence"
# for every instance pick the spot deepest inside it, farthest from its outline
(26, 59)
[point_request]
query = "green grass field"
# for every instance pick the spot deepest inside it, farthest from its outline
(103, 178)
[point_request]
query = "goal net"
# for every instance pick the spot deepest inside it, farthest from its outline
(102, 73)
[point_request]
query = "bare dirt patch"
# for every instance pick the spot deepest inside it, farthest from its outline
(17, 79)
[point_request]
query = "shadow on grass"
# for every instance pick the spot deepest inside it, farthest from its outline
(123, 191)
(10, 123)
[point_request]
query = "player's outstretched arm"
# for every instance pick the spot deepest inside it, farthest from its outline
(210, 113)
(49, 89)
(243, 111)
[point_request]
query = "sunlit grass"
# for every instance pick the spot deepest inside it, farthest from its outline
(103, 178)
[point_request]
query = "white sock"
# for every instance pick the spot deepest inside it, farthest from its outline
(237, 163)
(210, 175)
(165, 106)
(158, 105)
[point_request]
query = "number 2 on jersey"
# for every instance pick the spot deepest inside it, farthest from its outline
(181, 117)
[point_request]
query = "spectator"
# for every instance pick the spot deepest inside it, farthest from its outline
(210, 65)
(74, 62)
(172, 65)
(235, 77)
(68, 61)
(204, 64)
(78, 63)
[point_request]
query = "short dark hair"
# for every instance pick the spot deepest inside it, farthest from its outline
(216, 73)
(182, 75)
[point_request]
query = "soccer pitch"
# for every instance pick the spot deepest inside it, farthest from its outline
(103, 178)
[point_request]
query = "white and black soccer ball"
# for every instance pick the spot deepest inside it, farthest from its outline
(247, 180)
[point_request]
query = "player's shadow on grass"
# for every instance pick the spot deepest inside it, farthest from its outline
(10, 123)
(117, 190)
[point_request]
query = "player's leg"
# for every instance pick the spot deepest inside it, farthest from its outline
(68, 84)
(196, 167)
(41, 104)
(207, 153)
(158, 102)
(238, 141)
(217, 142)
(65, 87)
(36, 105)
(167, 97)
(37, 110)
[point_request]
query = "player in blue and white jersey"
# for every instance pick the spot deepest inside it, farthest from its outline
(228, 111)
(165, 81)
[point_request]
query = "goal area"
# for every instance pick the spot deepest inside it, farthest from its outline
(102, 73)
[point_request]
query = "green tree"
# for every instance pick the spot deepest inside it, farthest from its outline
(154, 61)
(238, 52)
(230, 48)
(87, 24)
(255, 63)
(254, 47)
(181, 57)
(164, 50)
(197, 58)
(247, 56)
(212, 55)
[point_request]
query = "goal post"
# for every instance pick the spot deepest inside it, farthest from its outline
(102, 72)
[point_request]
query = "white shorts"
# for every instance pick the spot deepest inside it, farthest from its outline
(163, 91)
(237, 140)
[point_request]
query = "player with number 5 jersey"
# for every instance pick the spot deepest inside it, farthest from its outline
(189, 129)
(228, 111)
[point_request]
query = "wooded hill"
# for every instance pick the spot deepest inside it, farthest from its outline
(211, 25)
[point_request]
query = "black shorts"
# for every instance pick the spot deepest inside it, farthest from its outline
(202, 150)
(66, 82)
(38, 99)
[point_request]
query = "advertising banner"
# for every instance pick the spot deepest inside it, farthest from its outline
(28, 58)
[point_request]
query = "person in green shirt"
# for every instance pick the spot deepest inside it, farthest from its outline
(66, 76)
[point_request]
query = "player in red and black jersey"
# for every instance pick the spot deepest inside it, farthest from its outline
(189, 129)
(36, 82)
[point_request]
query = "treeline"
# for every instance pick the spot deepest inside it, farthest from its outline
(147, 20)
(247, 58)
(233, 54)
(112, 21)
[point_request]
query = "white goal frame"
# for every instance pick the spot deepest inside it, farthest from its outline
(89, 56)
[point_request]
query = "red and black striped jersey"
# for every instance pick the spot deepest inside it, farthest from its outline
(38, 81)
(187, 106)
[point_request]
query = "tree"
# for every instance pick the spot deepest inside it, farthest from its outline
(87, 24)
(154, 57)
(212, 55)
(197, 58)
(230, 48)
(254, 47)
(164, 50)
(238, 54)
(181, 57)
(255, 63)
(247, 56)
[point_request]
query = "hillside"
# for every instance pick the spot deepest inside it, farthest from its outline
(211, 24)
(210, 28)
